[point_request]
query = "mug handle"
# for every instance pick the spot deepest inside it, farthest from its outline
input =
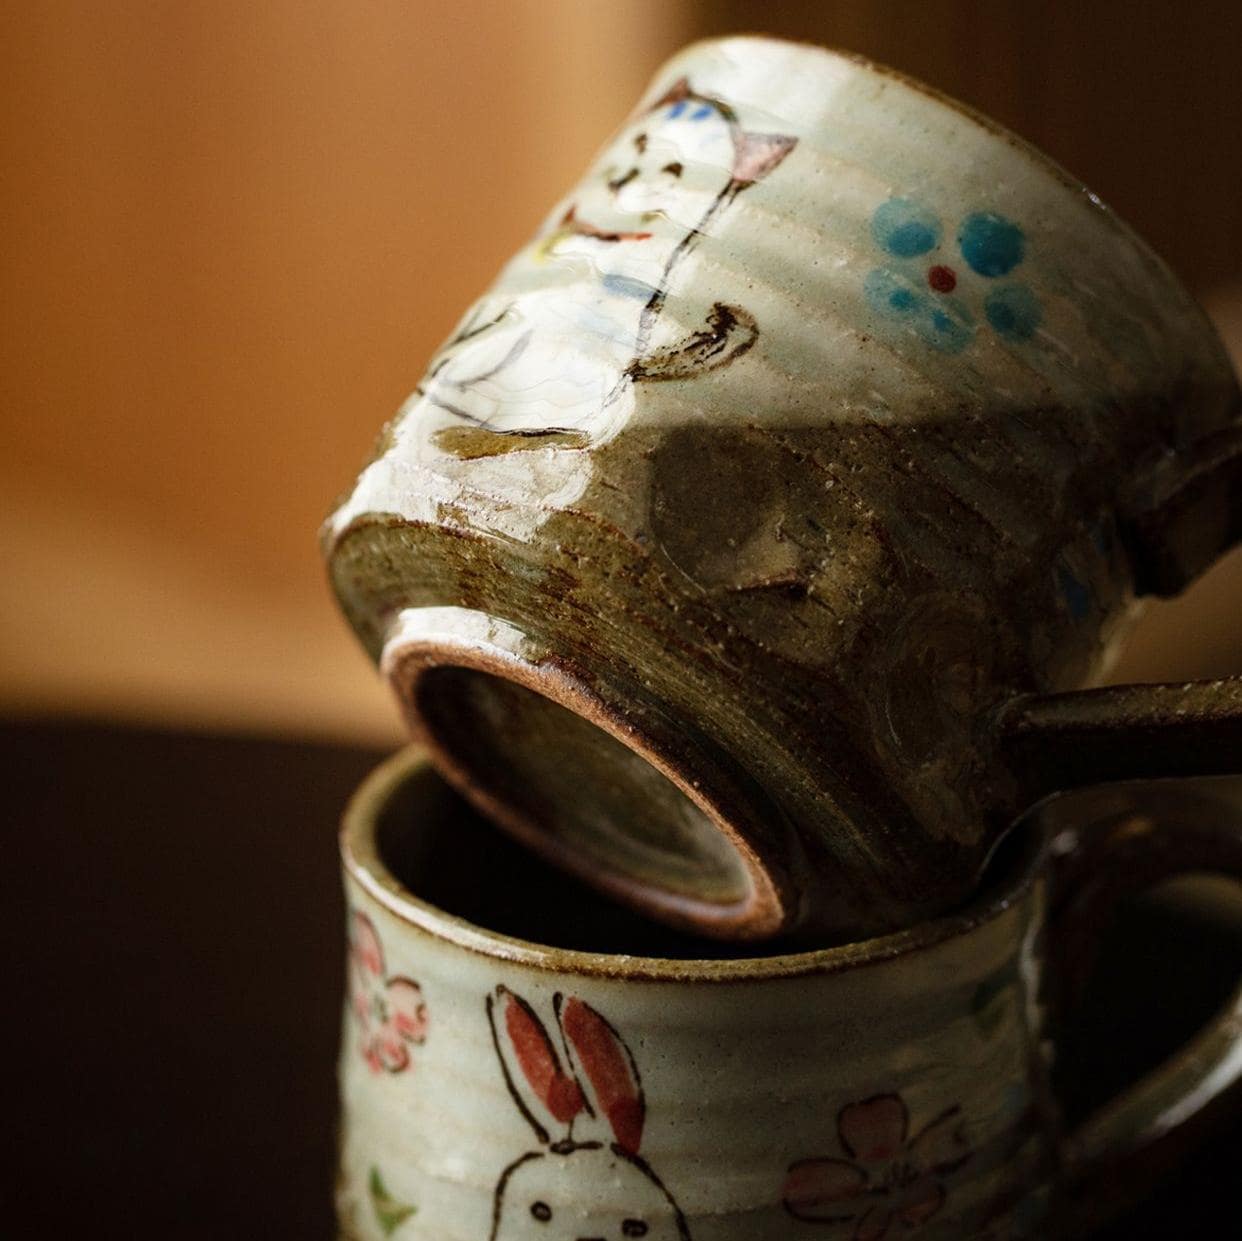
(1188, 514)
(1140, 841)
(1052, 743)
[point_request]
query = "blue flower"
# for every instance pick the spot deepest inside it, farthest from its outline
(1013, 311)
(943, 324)
(905, 228)
(990, 245)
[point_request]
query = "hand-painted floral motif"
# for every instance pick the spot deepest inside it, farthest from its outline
(925, 293)
(890, 1183)
(390, 1012)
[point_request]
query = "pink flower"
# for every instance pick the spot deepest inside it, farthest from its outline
(389, 1011)
(891, 1184)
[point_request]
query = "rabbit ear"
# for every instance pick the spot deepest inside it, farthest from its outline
(609, 1067)
(529, 1062)
(755, 155)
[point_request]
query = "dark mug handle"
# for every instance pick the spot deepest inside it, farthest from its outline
(1172, 533)
(1130, 841)
(1053, 743)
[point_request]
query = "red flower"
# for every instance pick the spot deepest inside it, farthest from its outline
(389, 1011)
(891, 1184)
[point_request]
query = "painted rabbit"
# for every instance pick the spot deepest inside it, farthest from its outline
(592, 1185)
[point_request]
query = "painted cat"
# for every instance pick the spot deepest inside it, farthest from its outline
(576, 319)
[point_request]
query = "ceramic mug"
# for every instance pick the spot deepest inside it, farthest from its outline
(732, 543)
(496, 1089)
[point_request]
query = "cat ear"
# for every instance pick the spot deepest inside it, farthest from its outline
(609, 1067)
(532, 1069)
(675, 94)
(755, 155)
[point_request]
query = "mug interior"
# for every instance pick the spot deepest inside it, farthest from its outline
(431, 858)
(588, 790)
(595, 786)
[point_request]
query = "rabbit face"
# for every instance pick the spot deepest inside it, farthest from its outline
(593, 1186)
(590, 1192)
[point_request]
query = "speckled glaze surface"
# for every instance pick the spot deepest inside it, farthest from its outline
(820, 420)
(494, 1089)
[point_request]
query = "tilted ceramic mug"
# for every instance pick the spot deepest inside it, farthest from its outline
(731, 545)
(495, 1089)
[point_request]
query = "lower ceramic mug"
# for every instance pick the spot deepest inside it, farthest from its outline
(494, 1088)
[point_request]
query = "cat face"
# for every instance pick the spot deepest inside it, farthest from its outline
(659, 185)
(664, 172)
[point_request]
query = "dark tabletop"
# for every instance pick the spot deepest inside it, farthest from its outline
(172, 964)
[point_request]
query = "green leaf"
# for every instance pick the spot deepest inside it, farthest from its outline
(390, 1213)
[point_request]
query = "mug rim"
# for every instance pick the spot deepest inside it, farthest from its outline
(362, 862)
(967, 112)
(417, 646)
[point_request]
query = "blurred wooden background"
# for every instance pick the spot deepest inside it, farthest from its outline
(233, 233)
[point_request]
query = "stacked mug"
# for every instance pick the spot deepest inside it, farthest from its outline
(747, 554)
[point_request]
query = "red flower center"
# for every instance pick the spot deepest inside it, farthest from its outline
(942, 279)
